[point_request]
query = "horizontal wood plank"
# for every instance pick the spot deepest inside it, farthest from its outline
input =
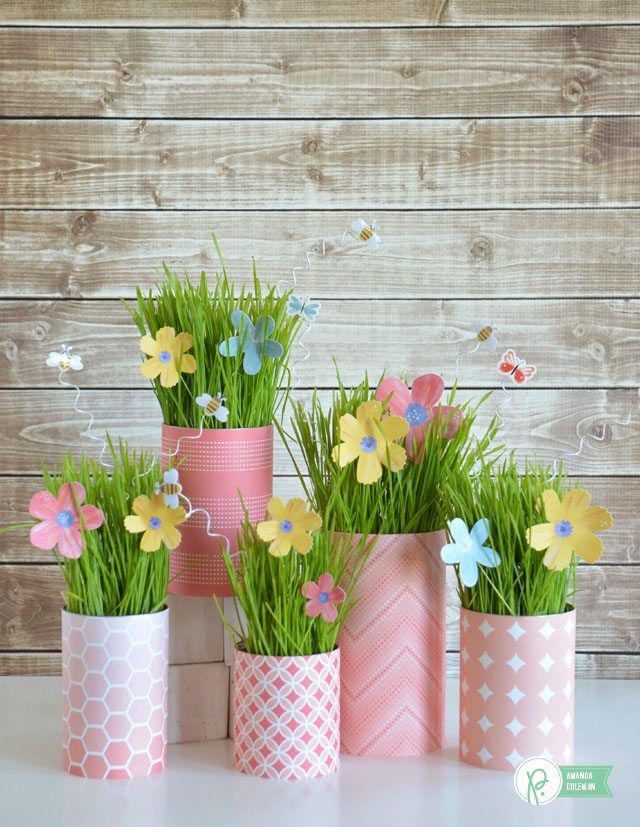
(445, 163)
(589, 665)
(482, 254)
(39, 425)
(622, 546)
(608, 601)
(334, 73)
(321, 13)
(582, 343)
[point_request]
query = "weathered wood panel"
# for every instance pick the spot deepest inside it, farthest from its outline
(590, 665)
(198, 701)
(607, 621)
(338, 73)
(329, 164)
(482, 254)
(620, 496)
(40, 425)
(320, 13)
(578, 343)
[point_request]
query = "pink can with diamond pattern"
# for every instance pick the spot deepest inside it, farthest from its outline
(114, 694)
(517, 682)
(286, 722)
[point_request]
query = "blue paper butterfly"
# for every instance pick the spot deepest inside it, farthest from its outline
(252, 340)
(297, 306)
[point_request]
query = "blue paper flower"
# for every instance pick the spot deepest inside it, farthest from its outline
(252, 340)
(468, 551)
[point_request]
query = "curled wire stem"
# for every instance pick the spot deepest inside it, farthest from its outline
(287, 284)
(210, 533)
(183, 439)
(92, 419)
(461, 353)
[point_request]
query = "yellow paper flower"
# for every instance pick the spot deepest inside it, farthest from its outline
(290, 526)
(570, 529)
(168, 356)
(156, 520)
(369, 438)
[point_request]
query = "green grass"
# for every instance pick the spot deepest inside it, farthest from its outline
(521, 585)
(253, 401)
(267, 588)
(403, 502)
(113, 576)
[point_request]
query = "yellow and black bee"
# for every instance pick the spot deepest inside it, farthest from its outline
(170, 488)
(212, 406)
(366, 232)
(486, 336)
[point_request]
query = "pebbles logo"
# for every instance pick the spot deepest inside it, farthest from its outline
(538, 781)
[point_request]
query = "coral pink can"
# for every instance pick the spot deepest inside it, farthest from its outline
(286, 720)
(115, 678)
(516, 688)
(393, 650)
(220, 469)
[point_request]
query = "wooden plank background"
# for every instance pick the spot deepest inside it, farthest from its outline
(496, 144)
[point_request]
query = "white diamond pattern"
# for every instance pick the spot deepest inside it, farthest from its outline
(485, 660)
(516, 663)
(547, 630)
(485, 723)
(485, 692)
(546, 694)
(546, 726)
(484, 755)
(516, 631)
(514, 758)
(486, 628)
(515, 726)
(546, 662)
(515, 694)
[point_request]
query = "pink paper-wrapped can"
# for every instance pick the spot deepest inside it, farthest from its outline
(286, 720)
(215, 467)
(115, 677)
(393, 650)
(516, 688)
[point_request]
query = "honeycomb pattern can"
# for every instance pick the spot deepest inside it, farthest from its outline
(286, 721)
(216, 466)
(114, 694)
(516, 688)
(393, 650)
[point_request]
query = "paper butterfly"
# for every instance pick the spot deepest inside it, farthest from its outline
(485, 335)
(252, 340)
(366, 232)
(64, 360)
(519, 371)
(170, 488)
(297, 306)
(213, 406)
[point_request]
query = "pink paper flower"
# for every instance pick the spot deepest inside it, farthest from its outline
(419, 408)
(322, 598)
(61, 524)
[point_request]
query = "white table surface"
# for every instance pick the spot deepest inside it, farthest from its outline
(200, 787)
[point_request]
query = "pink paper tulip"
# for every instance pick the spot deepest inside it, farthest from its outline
(419, 408)
(322, 598)
(61, 523)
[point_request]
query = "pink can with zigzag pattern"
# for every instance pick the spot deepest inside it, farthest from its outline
(516, 688)
(286, 721)
(393, 650)
(115, 680)
(222, 471)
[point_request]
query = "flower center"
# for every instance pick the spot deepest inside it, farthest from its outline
(564, 528)
(155, 523)
(65, 519)
(286, 526)
(368, 444)
(164, 356)
(323, 597)
(416, 414)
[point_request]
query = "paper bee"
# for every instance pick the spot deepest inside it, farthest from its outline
(519, 371)
(297, 306)
(170, 488)
(64, 360)
(366, 232)
(485, 335)
(212, 406)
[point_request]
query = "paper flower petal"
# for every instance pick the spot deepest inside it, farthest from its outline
(135, 524)
(427, 389)
(325, 582)
(229, 347)
(486, 556)
(301, 541)
(394, 427)
(151, 368)
(345, 453)
(541, 536)
(92, 516)
(480, 531)
(66, 498)
(369, 469)
(70, 543)
(44, 535)
(273, 349)
(310, 590)
(459, 531)
(597, 518)
(468, 571)
(268, 530)
(587, 545)
(397, 394)
(252, 361)
(451, 553)
(552, 507)
(44, 506)
(149, 346)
